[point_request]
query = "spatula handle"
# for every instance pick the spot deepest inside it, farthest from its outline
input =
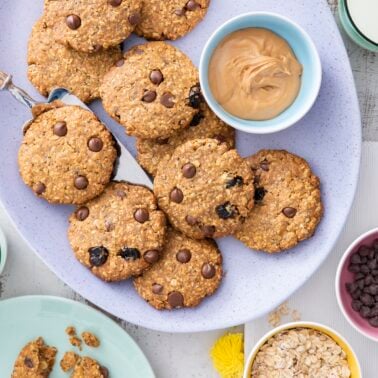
(19, 94)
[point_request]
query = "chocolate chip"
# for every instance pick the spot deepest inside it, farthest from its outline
(191, 220)
(149, 96)
(226, 210)
(373, 289)
(129, 253)
(196, 120)
(180, 12)
(208, 231)
(208, 271)
(264, 165)
(151, 256)
(73, 21)
(82, 213)
(95, 144)
(355, 259)
(192, 5)
(103, 370)
(167, 100)
(188, 170)
(356, 305)
(364, 251)
(356, 294)
(142, 215)
(98, 255)
(259, 194)
(81, 182)
(235, 181)
(120, 63)
(354, 268)
(115, 3)
(28, 362)
(156, 77)
(365, 311)
(367, 299)
(157, 288)
(373, 264)
(134, 19)
(289, 212)
(374, 322)
(176, 195)
(60, 129)
(183, 256)
(162, 141)
(39, 188)
(364, 269)
(175, 299)
(195, 97)
(368, 280)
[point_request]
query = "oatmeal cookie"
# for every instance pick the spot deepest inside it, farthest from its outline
(170, 19)
(204, 124)
(205, 189)
(52, 65)
(189, 270)
(120, 233)
(87, 367)
(36, 360)
(288, 204)
(154, 92)
(92, 25)
(67, 155)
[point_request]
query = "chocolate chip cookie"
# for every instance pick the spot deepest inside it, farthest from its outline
(53, 65)
(189, 270)
(93, 25)
(67, 155)
(36, 360)
(205, 124)
(288, 204)
(170, 19)
(120, 233)
(153, 92)
(205, 189)
(87, 367)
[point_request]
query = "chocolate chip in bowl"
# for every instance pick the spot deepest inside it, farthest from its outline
(357, 284)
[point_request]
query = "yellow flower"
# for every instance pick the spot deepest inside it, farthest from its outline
(228, 355)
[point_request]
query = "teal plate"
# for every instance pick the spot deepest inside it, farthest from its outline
(23, 319)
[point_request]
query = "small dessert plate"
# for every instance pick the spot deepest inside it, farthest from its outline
(3, 250)
(344, 276)
(305, 51)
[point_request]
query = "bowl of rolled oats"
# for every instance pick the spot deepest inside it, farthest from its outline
(302, 350)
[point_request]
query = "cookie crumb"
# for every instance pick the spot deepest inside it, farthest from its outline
(74, 339)
(90, 339)
(71, 331)
(69, 361)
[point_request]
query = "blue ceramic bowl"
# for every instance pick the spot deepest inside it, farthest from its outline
(305, 52)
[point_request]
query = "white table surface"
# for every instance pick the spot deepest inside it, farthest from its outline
(184, 355)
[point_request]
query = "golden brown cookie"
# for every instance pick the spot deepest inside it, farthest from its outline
(170, 19)
(204, 124)
(288, 204)
(53, 65)
(189, 270)
(120, 233)
(67, 155)
(154, 92)
(92, 25)
(69, 361)
(205, 189)
(87, 367)
(36, 360)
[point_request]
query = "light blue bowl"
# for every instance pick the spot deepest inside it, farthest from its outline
(305, 52)
(3, 250)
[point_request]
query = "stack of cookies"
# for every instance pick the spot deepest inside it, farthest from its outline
(203, 189)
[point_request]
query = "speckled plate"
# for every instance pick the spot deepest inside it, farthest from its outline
(23, 319)
(329, 137)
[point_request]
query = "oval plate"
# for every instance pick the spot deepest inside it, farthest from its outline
(23, 319)
(329, 137)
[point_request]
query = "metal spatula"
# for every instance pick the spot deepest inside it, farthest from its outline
(128, 168)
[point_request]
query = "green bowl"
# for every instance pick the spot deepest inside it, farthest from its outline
(351, 30)
(3, 250)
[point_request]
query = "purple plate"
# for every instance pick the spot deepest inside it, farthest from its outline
(329, 137)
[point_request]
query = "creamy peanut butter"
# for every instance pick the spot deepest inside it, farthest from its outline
(254, 74)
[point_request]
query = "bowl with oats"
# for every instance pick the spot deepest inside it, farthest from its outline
(302, 349)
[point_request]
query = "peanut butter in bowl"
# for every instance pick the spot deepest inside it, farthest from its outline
(254, 74)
